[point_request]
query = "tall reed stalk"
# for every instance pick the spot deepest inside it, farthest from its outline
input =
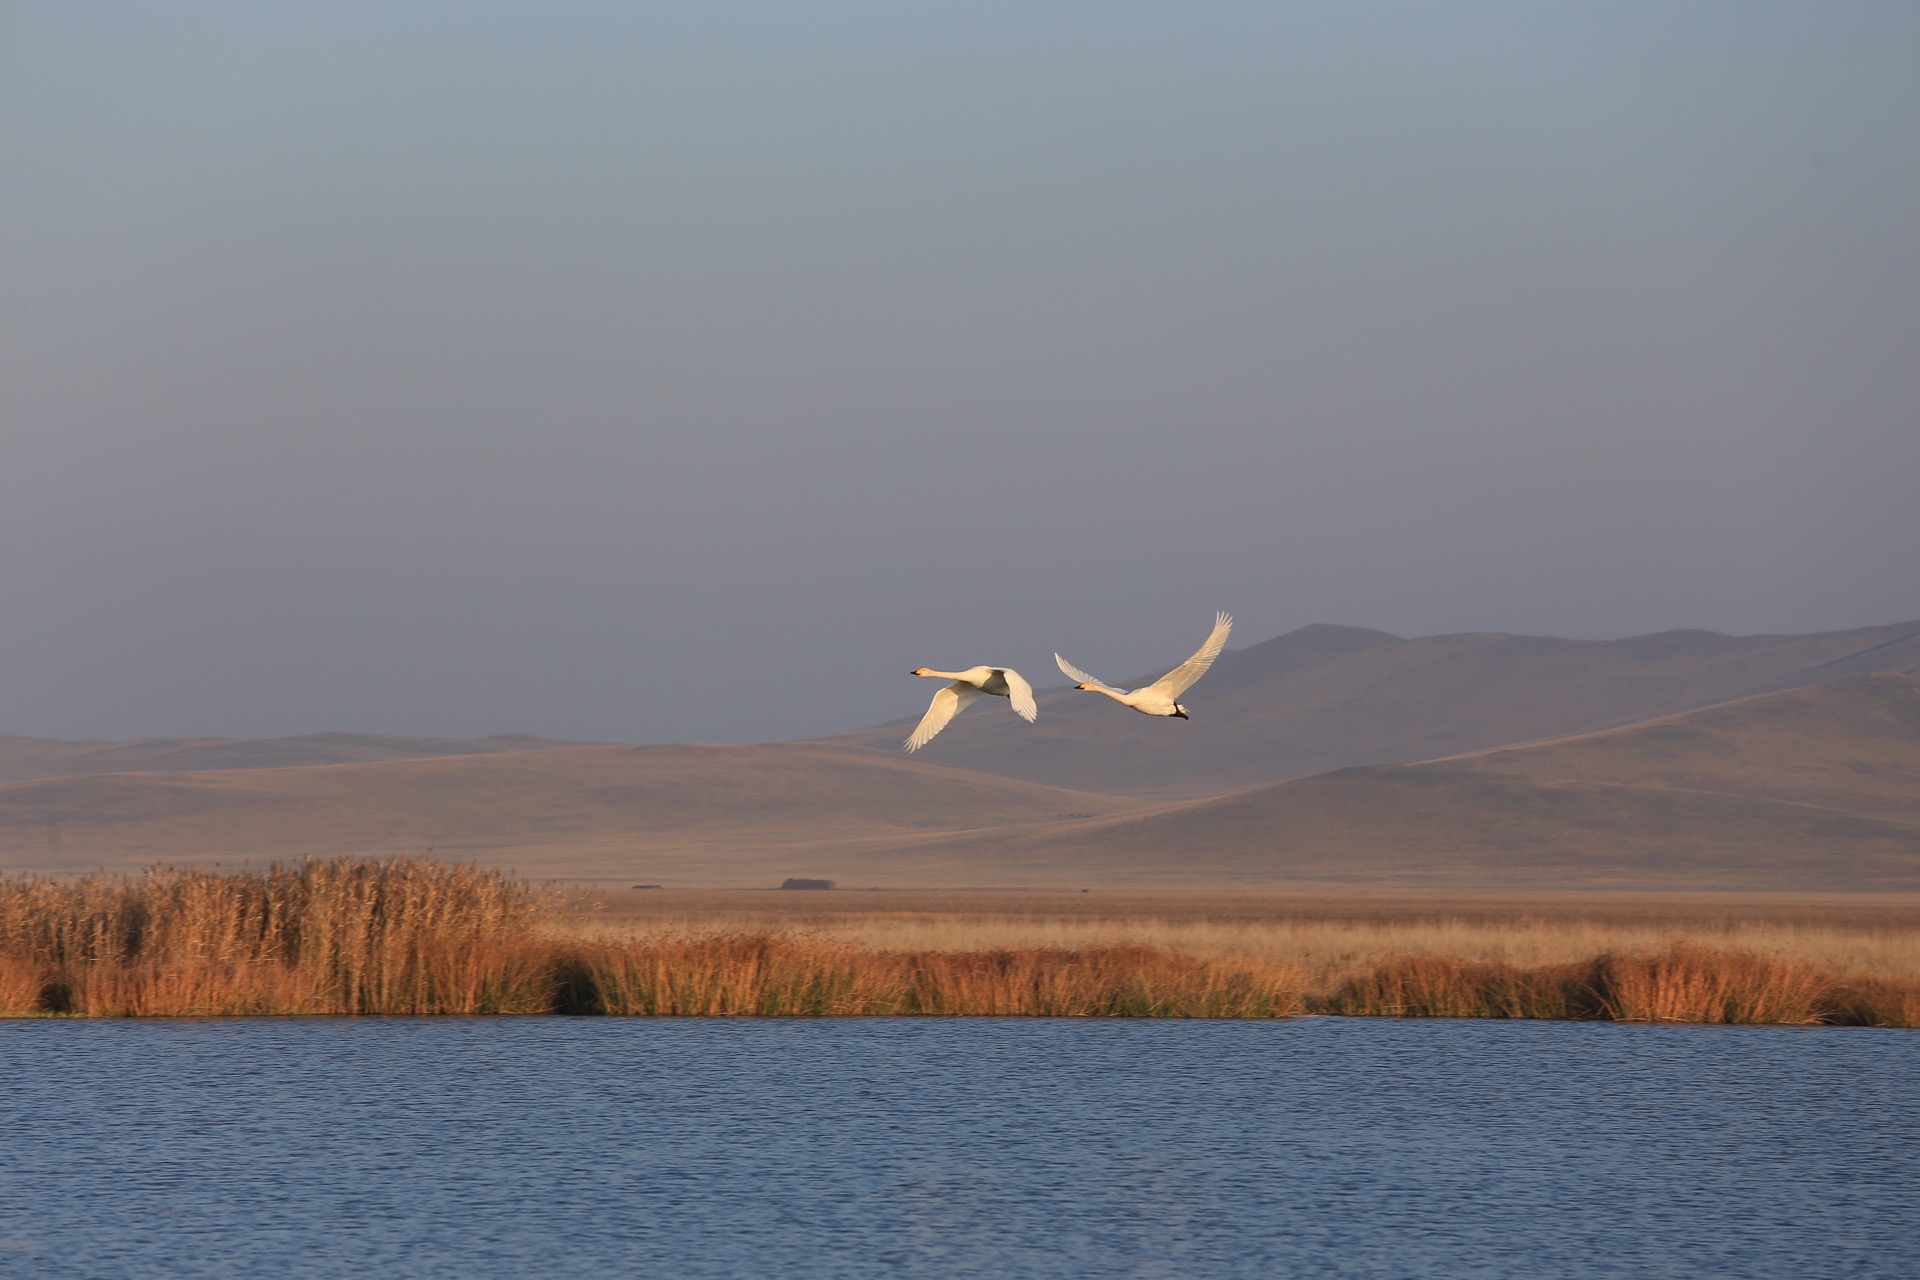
(1685, 983)
(743, 975)
(367, 936)
(348, 936)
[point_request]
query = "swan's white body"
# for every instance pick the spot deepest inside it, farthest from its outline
(1162, 697)
(967, 685)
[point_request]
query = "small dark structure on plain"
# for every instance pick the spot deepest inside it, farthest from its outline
(792, 882)
(646, 886)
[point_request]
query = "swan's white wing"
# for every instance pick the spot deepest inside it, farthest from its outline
(1076, 674)
(1181, 678)
(945, 706)
(1020, 693)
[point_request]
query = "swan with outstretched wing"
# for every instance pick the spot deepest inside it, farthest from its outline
(1162, 697)
(967, 685)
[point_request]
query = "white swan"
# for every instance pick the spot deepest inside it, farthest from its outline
(1159, 698)
(967, 685)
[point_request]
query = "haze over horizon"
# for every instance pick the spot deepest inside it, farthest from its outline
(649, 374)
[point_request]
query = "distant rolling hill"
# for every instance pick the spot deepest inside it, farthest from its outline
(1849, 746)
(1811, 789)
(1325, 696)
(723, 814)
(1685, 760)
(22, 759)
(1815, 789)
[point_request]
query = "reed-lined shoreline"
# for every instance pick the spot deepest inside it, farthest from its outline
(415, 937)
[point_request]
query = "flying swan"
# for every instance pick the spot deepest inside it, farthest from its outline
(1159, 698)
(967, 685)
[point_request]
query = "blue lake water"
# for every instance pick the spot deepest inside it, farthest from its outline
(979, 1147)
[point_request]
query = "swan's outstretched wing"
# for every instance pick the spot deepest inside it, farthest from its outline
(1020, 693)
(1181, 678)
(1076, 674)
(945, 706)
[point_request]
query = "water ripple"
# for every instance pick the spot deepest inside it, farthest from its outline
(1323, 1147)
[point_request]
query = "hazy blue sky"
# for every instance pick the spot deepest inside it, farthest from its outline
(692, 372)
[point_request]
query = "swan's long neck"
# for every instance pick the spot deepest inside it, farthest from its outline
(931, 674)
(1122, 698)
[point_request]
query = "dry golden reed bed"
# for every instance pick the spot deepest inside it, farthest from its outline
(362, 936)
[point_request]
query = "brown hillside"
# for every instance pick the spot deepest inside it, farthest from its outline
(1809, 790)
(1323, 697)
(735, 815)
(1848, 745)
(1813, 787)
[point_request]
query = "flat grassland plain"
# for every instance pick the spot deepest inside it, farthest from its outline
(408, 936)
